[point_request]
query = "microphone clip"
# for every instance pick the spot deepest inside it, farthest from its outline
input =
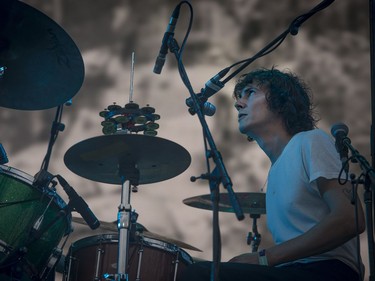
(206, 107)
(211, 87)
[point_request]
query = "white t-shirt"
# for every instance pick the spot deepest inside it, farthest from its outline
(294, 204)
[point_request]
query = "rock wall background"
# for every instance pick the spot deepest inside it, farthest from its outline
(331, 52)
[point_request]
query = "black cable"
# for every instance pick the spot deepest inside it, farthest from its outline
(292, 29)
(346, 179)
(189, 27)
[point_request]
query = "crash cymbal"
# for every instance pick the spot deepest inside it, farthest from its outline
(180, 244)
(104, 158)
(40, 65)
(141, 231)
(252, 203)
(103, 225)
(110, 226)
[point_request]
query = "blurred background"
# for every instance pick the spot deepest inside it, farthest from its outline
(330, 52)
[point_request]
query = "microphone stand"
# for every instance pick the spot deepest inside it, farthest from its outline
(214, 183)
(214, 153)
(197, 104)
(369, 185)
(220, 169)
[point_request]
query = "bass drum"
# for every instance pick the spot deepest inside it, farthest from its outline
(94, 257)
(26, 254)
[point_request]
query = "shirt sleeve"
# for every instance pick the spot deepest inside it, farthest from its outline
(320, 157)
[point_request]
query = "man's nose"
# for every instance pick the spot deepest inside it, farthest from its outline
(238, 105)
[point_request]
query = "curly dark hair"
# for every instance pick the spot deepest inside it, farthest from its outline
(287, 96)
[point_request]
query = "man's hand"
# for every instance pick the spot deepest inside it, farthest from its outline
(251, 258)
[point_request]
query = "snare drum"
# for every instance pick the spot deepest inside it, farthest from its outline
(21, 206)
(148, 259)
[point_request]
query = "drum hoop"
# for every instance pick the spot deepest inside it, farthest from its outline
(100, 239)
(158, 244)
(172, 248)
(94, 240)
(28, 179)
(18, 174)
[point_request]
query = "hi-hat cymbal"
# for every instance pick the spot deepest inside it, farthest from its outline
(147, 158)
(40, 65)
(253, 203)
(141, 231)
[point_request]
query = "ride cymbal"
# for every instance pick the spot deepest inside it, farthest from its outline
(138, 158)
(253, 203)
(40, 65)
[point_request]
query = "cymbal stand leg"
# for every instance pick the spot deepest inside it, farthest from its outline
(123, 224)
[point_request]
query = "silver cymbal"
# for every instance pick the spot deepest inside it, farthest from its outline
(106, 158)
(40, 65)
(253, 203)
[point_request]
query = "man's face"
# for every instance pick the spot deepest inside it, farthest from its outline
(253, 111)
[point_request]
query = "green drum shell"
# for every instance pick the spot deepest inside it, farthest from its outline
(21, 205)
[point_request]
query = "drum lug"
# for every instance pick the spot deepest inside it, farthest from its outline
(176, 262)
(99, 253)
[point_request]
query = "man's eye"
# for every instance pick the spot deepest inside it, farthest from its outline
(249, 92)
(246, 93)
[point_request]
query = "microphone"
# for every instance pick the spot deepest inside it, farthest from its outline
(340, 132)
(79, 204)
(160, 60)
(211, 87)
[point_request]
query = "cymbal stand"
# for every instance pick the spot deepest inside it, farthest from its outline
(127, 120)
(123, 219)
(129, 176)
(43, 177)
(254, 237)
(214, 154)
(57, 127)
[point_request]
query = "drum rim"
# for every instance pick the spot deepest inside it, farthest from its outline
(107, 238)
(20, 175)
(93, 240)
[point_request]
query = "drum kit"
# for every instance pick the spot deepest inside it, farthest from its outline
(37, 58)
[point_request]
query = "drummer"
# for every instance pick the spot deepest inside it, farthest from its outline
(309, 213)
